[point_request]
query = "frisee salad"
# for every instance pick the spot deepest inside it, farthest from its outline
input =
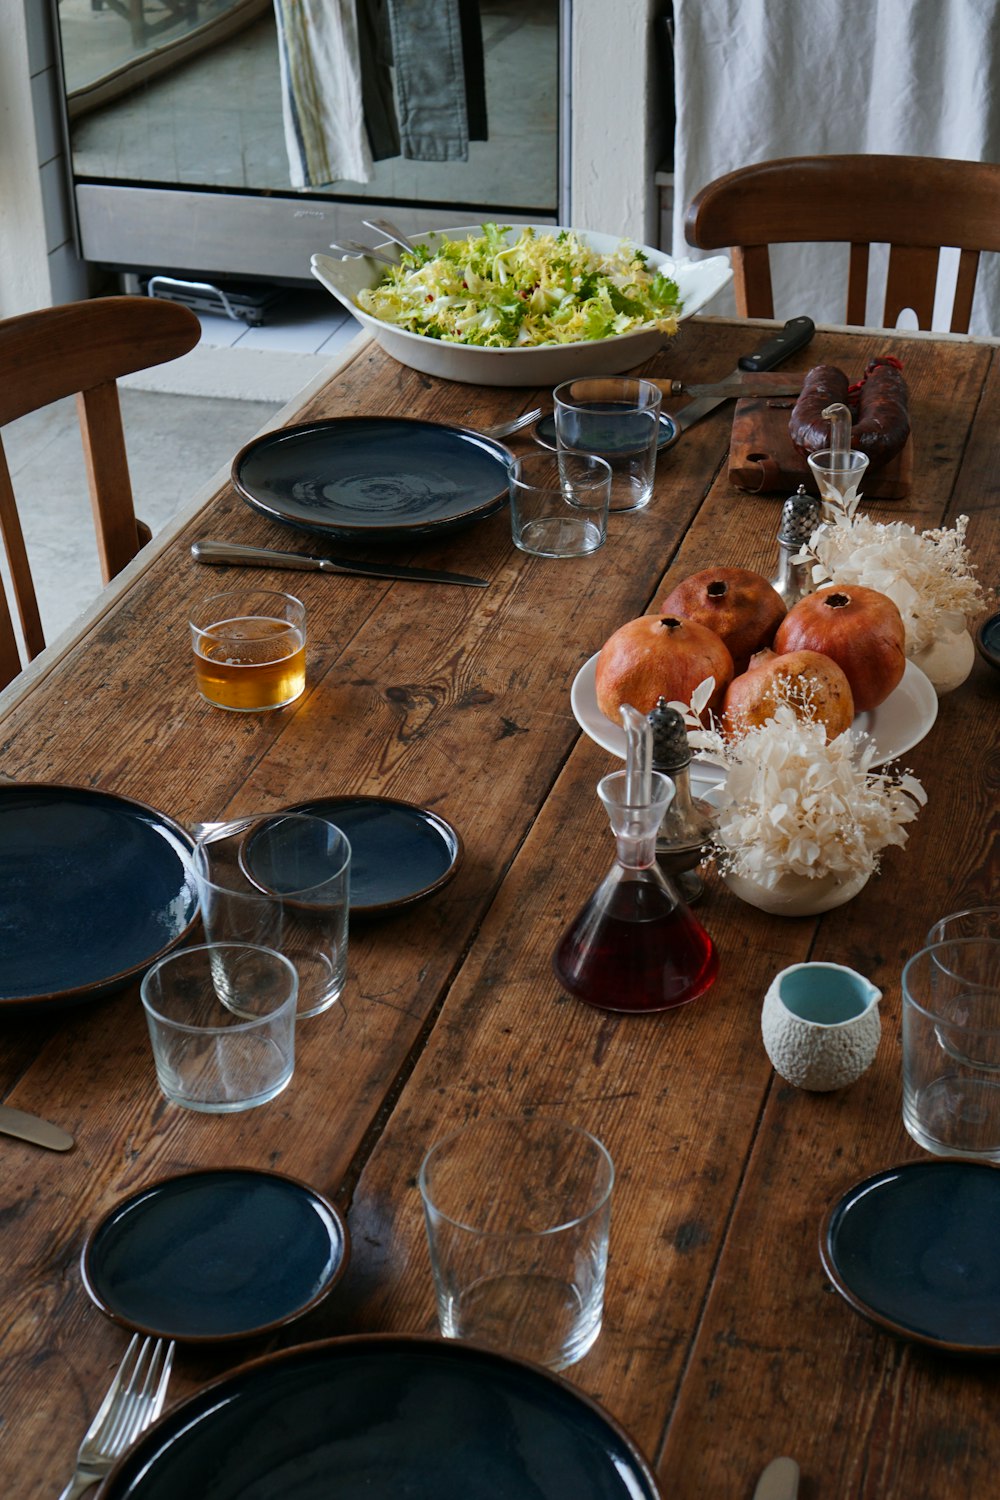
(540, 289)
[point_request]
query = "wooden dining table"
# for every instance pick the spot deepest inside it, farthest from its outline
(724, 1343)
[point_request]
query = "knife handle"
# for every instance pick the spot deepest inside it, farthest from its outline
(254, 557)
(795, 335)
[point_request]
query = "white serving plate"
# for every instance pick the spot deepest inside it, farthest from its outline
(896, 725)
(698, 281)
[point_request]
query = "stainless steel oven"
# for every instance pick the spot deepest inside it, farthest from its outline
(173, 111)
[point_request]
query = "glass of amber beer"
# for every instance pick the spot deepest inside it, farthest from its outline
(250, 649)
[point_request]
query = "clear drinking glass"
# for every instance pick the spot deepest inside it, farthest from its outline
(221, 1021)
(951, 1048)
(559, 503)
(974, 921)
(250, 649)
(517, 1214)
(281, 880)
(617, 418)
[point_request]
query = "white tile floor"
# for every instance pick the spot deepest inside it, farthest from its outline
(183, 423)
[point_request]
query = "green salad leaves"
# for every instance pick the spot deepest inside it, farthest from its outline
(539, 289)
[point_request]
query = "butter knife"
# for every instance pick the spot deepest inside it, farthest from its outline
(30, 1128)
(779, 1481)
(229, 554)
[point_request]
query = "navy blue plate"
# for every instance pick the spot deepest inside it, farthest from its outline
(988, 640)
(381, 1417)
(545, 432)
(215, 1255)
(373, 479)
(914, 1249)
(399, 853)
(93, 889)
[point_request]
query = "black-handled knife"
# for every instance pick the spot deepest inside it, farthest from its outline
(777, 347)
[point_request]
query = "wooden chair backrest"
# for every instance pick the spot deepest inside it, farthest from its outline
(80, 349)
(914, 204)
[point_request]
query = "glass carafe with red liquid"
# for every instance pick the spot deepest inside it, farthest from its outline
(635, 946)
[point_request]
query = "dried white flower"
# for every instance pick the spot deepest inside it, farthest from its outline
(928, 575)
(791, 803)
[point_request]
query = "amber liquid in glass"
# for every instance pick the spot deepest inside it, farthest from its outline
(637, 950)
(250, 664)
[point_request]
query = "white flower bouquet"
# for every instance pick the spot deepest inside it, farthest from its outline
(792, 804)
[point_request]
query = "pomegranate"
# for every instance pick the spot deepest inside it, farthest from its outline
(738, 604)
(806, 680)
(860, 628)
(660, 656)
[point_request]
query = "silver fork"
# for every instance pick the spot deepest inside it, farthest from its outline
(504, 429)
(135, 1399)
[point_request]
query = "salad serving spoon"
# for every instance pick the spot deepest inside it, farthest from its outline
(384, 226)
(355, 250)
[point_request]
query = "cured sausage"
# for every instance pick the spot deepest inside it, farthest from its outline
(879, 403)
(883, 417)
(823, 386)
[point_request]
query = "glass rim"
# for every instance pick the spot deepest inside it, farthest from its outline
(856, 460)
(245, 593)
(975, 987)
(958, 916)
(604, 1158)
(233, 827)
(249, 1023)
(553, 459)
(648, 387)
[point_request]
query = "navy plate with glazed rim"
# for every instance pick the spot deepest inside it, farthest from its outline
(988, 640)
(914, 1250)
(373, 479)
(383, 1417)
(400, 853)
(215, 1255)
(93, 889)
(545, 432)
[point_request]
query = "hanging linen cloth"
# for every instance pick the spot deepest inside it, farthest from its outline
(758, 79)
(437, 49)
(321, 92)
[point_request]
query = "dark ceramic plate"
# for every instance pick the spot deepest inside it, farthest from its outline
(93, 889)
(385, 1418)
(914, 1249)
(373, 479)
(988, 640)
(215, 1255)
(545, 432)
(399, 853)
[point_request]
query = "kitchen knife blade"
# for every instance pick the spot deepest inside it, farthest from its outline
(795, 335)
(229, 554)
(30, 1128)
(779, 1481)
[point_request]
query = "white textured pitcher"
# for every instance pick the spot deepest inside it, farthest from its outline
(821, 1025)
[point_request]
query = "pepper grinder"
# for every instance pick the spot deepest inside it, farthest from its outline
(688, 821)
(800, 515)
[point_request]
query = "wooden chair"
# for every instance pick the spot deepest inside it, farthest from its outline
(914, 204)
(80, 349)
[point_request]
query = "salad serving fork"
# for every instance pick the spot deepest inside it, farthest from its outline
(385, 226)
(135, 1399)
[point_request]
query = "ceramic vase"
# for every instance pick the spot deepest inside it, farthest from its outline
(820, 1024)
(797, 895)
(948, 660)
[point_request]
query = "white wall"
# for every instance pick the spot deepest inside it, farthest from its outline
(614, 99)
(38, 261)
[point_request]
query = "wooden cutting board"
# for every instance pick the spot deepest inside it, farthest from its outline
(764, 460)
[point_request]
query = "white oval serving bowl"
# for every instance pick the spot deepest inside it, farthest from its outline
(546, 364)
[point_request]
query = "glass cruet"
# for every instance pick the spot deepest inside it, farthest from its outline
(635, 946)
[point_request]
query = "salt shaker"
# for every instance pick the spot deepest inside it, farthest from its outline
(800, 515)
(688, 822)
